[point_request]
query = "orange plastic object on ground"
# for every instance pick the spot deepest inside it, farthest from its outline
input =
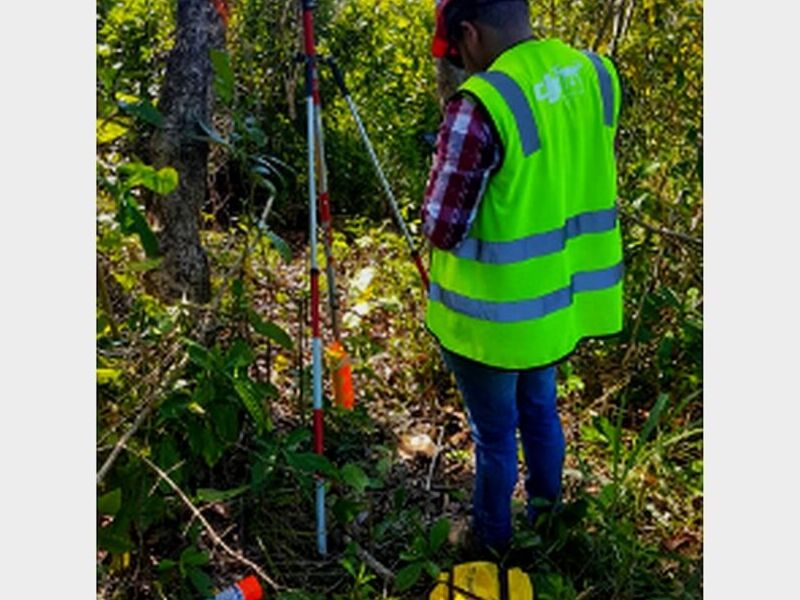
(342, 375)
(251, 589)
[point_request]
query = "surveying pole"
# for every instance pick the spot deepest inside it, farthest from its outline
(314, 155)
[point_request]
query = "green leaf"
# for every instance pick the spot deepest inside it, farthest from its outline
(133, 222)
(107, 376)
(211, 495)
(308, 462)
(143, 110)
(280, 245)
(143, 266)
(226, 421)
(161, 181)
(432, 568)
(223, 75)
(652, 420)
(114, 539)
(407, 576)
(438, 534)
(166, 565)
(270, 330)
(199, 355)
(252, 401)
(109, 130)
(239, 355)
(355, 477)
(213, 135)
(193, 557)
(110, 503)
(201, 582)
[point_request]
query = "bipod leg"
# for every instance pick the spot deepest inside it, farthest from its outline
(312, 98)
(387, 188)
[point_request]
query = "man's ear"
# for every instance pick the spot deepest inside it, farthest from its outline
(469, 33)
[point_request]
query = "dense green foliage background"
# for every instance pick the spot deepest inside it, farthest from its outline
(217, 394)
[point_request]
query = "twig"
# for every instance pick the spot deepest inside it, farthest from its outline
(432, 467)
(372, 562)
(215, 538)
(662, 231)
(604, 24)
(171, 375)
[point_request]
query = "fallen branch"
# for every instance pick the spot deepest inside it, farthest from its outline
(215, 537)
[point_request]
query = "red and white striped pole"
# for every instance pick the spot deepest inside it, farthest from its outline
(312, 103)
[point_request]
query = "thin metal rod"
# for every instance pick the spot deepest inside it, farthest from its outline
(387, 188)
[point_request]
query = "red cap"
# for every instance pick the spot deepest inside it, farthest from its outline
(441, 45)
(251, 589)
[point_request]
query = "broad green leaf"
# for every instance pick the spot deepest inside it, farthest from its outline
(223, 75)
(109, 130)
(166, 565)
(110, 503)
(211, 495)
(143, 110)
(280, 245)
(143, 266)
(162, 181)
(308, 462)
(270, 330)
(212, 449)
(201, 582)
(432, 568)
(355, 477)
(252, 401)
(438, 534)
(239, 355)
(139, 225)
(226, 421)
(199, 355)
(114, 539)
(407, 576)
(193, 557)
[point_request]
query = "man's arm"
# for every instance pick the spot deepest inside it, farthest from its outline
(467, 151)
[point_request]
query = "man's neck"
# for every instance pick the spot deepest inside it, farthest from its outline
(509, 41)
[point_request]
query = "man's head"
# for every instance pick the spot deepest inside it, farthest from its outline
(471, 33)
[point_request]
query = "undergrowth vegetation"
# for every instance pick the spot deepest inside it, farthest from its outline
(203, 411)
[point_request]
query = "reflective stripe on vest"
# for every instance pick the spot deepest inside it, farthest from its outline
(526, 310)
(606, 88)
(540, 244)
(520, 108)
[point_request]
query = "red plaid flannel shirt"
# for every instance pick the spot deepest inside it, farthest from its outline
(467, 151)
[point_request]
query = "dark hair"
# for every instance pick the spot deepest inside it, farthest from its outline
(498, 14)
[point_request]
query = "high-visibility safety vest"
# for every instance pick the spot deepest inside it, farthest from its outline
(541, 267)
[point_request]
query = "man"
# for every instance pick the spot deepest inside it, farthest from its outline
(527, 258)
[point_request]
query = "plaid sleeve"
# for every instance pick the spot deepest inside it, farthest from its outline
(466, 154)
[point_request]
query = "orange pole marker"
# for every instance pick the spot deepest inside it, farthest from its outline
(342, 375)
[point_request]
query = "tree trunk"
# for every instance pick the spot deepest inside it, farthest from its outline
(186, 98)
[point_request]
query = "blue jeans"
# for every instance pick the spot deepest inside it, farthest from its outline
(498, 402)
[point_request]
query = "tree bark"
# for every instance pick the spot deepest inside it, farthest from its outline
(186, 99)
